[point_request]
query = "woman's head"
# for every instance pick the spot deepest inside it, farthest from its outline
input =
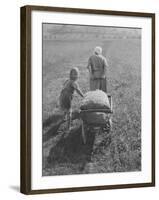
(74, 73)
(98, 50)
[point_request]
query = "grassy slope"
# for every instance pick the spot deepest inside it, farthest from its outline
(123, 151)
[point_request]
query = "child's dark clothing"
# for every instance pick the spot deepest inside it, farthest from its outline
(67, 94)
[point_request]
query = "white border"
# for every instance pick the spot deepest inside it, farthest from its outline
(39, 182)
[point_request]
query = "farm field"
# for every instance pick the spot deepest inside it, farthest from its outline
(116, 151)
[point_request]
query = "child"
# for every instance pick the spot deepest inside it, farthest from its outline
(67, 92)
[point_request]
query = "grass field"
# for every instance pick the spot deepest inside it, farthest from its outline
(118, 151)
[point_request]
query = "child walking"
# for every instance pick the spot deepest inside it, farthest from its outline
(66, 95)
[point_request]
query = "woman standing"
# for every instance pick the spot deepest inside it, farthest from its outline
(97, 65)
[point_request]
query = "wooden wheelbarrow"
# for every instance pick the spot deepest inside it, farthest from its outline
(96, 119)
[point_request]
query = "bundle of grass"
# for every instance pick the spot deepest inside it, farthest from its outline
(95, 100)
(98, 102)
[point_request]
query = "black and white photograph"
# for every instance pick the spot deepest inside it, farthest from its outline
(88, 99)
(91, 99)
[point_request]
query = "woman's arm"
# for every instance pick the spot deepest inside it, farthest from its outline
(89, 66)
(105, 65)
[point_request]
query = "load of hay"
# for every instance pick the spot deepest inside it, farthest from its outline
(95, 100)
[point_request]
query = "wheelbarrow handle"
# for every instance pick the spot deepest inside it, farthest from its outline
(83, 132)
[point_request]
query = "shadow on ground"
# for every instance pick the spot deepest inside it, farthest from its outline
(71, 149)
(58, 121)
(65, 152)
(52, 131)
